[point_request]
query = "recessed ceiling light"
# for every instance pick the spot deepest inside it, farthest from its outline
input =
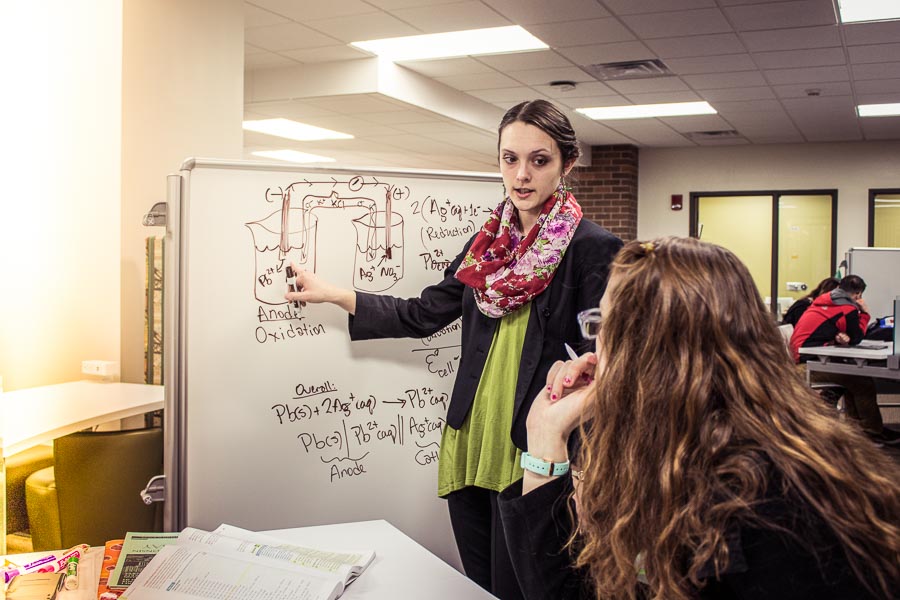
(292, 156)
(855, 11)
(878, 110)
(493, 40)
(293, 130)
(646, 111)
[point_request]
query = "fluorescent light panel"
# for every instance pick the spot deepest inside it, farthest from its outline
(855, 11)
(473, 42)
(878, 110)
(293, 130)
(292, 156)
(647, 111)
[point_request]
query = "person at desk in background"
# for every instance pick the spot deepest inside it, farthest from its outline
(799, 307)
(517, 285)
(841, 317)
(709, 469)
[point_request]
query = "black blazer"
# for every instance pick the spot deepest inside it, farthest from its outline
(578, 284)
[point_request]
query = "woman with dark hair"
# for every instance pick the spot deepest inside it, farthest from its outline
(517, 285)
(799, 307)
(708, 468)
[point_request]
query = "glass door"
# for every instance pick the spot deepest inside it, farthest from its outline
(884, 218)
(785, 238)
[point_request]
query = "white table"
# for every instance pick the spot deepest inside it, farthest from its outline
(868, 359)
(38, 415)
(402, 568)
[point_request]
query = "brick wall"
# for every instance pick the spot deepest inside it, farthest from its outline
(607, 190)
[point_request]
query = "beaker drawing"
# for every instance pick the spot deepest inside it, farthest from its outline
(378, 263)
(285, 236)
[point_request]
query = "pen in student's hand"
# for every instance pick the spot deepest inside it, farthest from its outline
(572, 354)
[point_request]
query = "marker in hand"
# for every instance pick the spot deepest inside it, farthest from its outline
(290, 283)
(572, 354)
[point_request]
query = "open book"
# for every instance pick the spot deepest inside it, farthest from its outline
(238, 564)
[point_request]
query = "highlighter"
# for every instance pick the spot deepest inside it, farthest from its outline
(72, 573)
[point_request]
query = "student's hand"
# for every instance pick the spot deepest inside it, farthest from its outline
(565, 377)
(312, 289)
(862, 305)
(842, 339)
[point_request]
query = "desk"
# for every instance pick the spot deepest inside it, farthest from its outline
(38, 415)
(401, 569)
(864, 360)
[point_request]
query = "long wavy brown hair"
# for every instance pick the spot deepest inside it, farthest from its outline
(698, 412)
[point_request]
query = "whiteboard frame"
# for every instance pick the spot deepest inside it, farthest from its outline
(177, 289)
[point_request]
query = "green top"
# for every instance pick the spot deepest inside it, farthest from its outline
(481, 453)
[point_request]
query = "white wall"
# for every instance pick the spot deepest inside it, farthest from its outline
(851, 168)
(59, 247)
(183, 86)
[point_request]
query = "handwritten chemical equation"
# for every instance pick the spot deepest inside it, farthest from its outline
(360, 424)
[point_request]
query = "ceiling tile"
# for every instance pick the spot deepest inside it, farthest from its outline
(606, 53)
(325, 54)
(801, 90)
(737, 94)
(635, 7)
(531, 12)
(876, 98)
(521, 61)
(697, 45)
(431, 127)
(807, 75)
(711, 64)
(697, 123)
(592, 88)
(291, 109)
(286, 36)
(663, 97)
(889, 70)
(359, 28)
(595, 134)
(511, 94)
(801, 13)
(310, 10)
(478, 81)
(545, 76)
(446, 67)
(258, 17)
(649, 132)
(251, 49)
(267, 60)
(451, 17)
(354, 103)
(394, 4)
(800, 58)
(874, 53)
(579, 33)
(742, 2)
(885, 86)
(792, 39)
(712, 81)
(737, 108)
(592, 101)
(881, 128)
(688, 22)
(881, 32)
(653, 84)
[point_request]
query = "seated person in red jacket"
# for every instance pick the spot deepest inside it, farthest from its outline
(841, 317)
(799, 307)
(708, 469)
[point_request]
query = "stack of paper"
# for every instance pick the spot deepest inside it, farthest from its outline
(238, 564)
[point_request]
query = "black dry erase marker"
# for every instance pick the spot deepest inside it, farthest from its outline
(291, 286)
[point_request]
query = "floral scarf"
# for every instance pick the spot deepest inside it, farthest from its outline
(507, 271)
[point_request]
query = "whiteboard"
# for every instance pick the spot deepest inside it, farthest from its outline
(880, 269)
(280, 421)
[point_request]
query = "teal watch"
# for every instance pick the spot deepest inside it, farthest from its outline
(542, 467)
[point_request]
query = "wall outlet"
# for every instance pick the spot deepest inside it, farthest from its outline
(100, 368)
(796, 286)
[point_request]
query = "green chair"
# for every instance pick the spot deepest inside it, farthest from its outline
(18, 467)
(91, 494)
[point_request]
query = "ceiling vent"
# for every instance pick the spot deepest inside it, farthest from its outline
(722, 134)
(633, 69)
